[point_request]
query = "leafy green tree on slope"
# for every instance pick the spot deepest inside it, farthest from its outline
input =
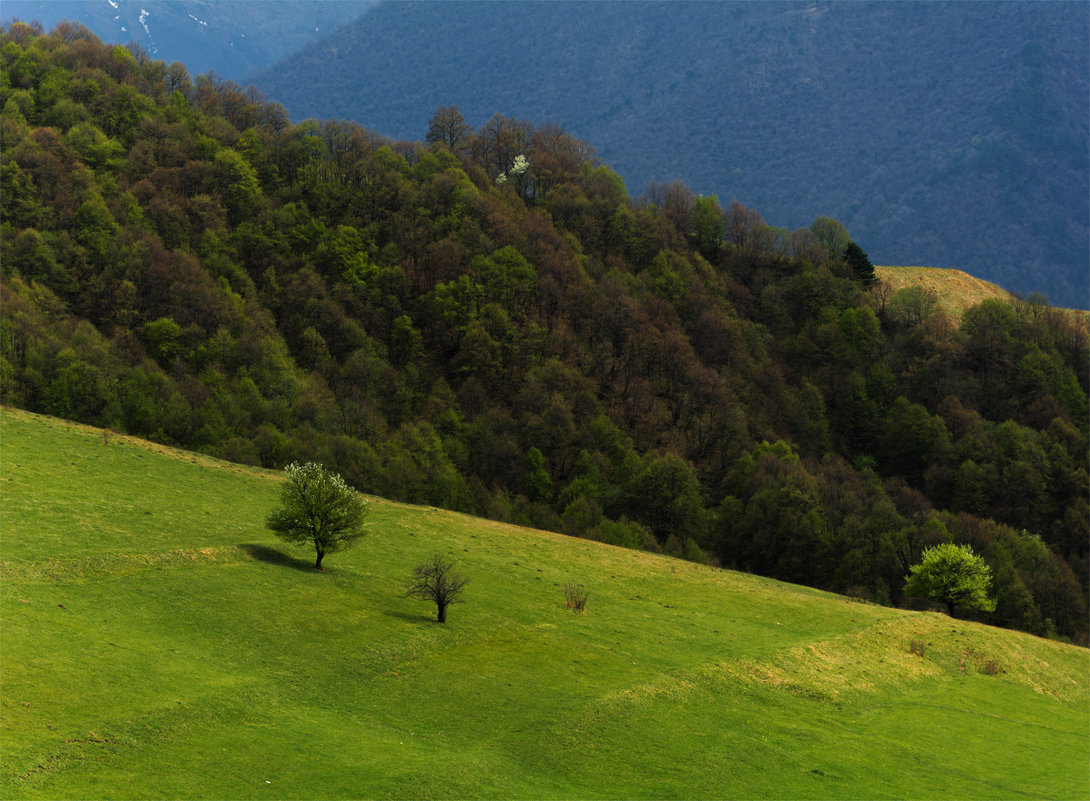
(954, 575)
(316, 506)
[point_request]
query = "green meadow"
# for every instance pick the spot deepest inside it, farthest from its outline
(158, 642)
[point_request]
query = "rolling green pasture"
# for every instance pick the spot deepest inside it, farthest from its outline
(158, 642)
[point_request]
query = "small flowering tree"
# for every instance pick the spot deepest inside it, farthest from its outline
(518, 169)
(317, 507)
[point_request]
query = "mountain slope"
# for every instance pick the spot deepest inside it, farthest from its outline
(166, 645)
(232, 38)
(951, 134)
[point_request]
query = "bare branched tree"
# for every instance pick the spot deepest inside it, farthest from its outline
(435, 580)
(448, 127)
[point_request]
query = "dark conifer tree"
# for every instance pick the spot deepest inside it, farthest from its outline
(862, 269)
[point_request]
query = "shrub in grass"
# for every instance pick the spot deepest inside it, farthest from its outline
(576, 596)
(991, 667)
(917, 647)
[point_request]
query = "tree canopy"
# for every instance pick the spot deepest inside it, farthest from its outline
(953, 575)
(862, 269)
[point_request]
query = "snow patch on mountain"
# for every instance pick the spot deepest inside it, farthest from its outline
(144, 15)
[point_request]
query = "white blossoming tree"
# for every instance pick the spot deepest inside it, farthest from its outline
(318, 508)
(518, 168)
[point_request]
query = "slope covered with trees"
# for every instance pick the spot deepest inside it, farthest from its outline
(949, 134)
(486, 322)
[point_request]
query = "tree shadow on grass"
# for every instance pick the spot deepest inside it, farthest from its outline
(410, 616)
(263, 553)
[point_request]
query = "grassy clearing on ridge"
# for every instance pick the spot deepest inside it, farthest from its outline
(955, 291)
(158, 642)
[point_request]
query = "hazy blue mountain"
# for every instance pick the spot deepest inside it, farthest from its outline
(946, 134)
(230, 38)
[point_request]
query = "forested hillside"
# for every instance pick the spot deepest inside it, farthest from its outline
(485, 321)
(942, 133)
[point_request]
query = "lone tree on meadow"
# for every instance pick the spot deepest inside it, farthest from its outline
(317, 507)
(435, 580)
(954, 575)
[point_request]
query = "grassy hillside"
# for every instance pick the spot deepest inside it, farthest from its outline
(157, 642)
(954, 291)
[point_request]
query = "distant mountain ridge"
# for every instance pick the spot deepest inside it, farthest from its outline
(231, 39)
(951, 134)
(947, 134)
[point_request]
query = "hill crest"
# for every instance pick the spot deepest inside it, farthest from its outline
(955, 291)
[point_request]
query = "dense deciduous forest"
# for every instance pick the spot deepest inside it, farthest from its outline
(485, 321)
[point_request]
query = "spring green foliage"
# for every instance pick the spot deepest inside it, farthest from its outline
(185, 263)
(953, 575)
(317, 508)
(159, 642)
(831, 236)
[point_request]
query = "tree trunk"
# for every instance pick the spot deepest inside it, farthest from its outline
(442, 613)
(318, 561)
